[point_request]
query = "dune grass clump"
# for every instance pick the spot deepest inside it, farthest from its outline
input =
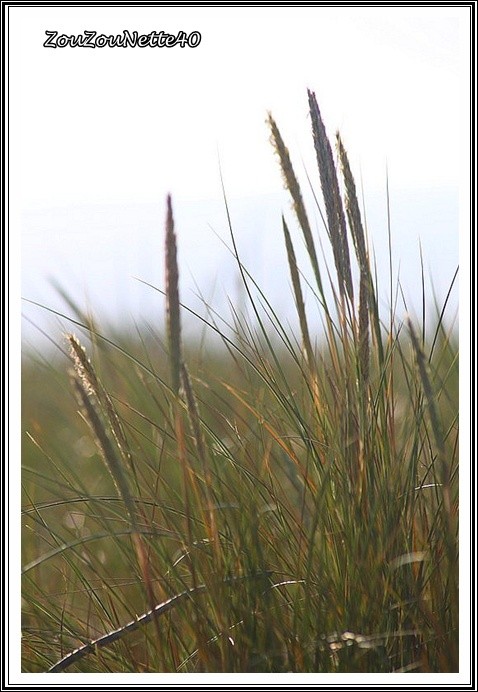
(287, 503)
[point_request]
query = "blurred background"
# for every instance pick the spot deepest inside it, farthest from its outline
(99, 137)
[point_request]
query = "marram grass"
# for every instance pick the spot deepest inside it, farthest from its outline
(287, 503)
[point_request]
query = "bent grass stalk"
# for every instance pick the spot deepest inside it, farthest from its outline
(91, 396)
(107, 639)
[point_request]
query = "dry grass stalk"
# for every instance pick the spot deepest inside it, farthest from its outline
(363, 328)
(193, 413)
(179, 375)
(449, 529)
(299, 300)
(160, 609)
(85, 371)
(172, 300)
(112, 461)
(83, 367)
(299, 303)
(352, 207)
(291, 184)
(433, 414)
(87, 388)
(333, 203)
(195, 425)
(358, 236)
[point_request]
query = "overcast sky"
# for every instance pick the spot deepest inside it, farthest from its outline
(125, 124)
(112, 128)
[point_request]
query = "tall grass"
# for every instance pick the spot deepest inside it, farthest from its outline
(286, 504)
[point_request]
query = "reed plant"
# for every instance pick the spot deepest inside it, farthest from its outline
(287, 503)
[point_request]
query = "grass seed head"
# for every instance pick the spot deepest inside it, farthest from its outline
(172, 300)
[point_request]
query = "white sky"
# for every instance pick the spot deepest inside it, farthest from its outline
(108, 125)
(98, 135)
